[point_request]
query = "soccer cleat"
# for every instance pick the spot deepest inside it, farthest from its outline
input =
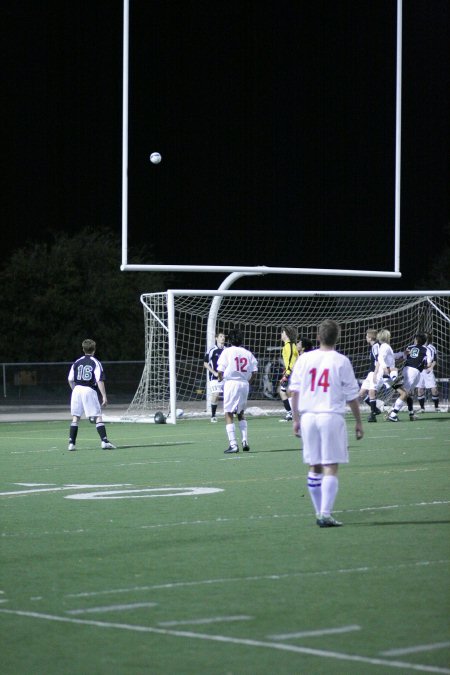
(392, 417)
(213, 420)
(328, 521)
(106, 445)
(288, 417)
(231, 450)
(71, 446)
(420, 411)
(377, 411)
(372, 417)
(412, 417)
(245, 447)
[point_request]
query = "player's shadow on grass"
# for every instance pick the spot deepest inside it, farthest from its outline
(155, 445)
(377, 523)
(277, 450)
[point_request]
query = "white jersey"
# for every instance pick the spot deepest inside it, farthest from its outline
(237, 363)
(325, 381)
(386, 357)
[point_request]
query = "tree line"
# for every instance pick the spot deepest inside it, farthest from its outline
(56, 294)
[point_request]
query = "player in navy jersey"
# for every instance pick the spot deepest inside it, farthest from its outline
(427, 378)
(86, 379)
(210, 363)
(416, 361)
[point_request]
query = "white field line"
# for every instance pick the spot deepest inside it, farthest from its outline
(314, 633)
(279, 646)
(416, 649)
(264, 577)
(198, 622)
(219, 520)
(111, 608)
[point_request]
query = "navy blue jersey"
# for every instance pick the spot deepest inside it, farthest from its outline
(374, 350)
(211, 358)
(416, 357)
(86, 371)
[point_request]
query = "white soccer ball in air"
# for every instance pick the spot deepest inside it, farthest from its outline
(155, 158)
(179, 412)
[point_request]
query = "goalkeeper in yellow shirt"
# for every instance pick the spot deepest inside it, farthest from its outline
(290, 356)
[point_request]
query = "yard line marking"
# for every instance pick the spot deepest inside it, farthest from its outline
(198, 622)
(19, 493)
(314, 633)
(111, 608)
(417, 648)
(265, 577)
(280, 646)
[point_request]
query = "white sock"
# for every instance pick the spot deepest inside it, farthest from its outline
(330, 486)
(231, 435)
(315, 490)
(398, 405)
(243, 429)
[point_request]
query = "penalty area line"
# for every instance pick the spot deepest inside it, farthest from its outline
(231, 640)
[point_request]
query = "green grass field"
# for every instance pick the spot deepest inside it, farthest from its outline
(167, 556)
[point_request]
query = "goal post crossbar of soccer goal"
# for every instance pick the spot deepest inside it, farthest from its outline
(180, 326)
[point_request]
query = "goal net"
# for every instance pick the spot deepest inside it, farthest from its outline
(180, 326)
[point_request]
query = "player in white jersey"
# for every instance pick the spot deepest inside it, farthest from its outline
(368, 383)
(386, 372)
(237, 368)
(427, 378)
(323, 384)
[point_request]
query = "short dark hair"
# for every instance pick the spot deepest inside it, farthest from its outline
(421, 338)
(328, 332)
(306, 344)
(88, 346)
(235, 337)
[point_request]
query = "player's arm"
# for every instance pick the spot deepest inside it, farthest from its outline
(102, 389)
(295, 413)
(354, 407)
(71, 378)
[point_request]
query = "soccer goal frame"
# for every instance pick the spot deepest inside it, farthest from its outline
(180, 326)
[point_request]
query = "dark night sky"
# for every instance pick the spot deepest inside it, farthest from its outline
(276, 122)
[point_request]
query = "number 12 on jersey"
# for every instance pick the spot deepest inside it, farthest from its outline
(241, 364)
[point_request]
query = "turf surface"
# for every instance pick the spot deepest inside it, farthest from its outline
(167, 556)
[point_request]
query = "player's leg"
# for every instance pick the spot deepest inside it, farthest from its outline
(92, 408)
(311, 456)
(244, 431)
(230, 405)
(334, 451)
(285, 401)
(421, 399)
(216, 389)
(76, 410)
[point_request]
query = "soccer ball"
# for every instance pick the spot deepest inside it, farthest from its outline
(155, 158)
(159, 418)
(179, 413)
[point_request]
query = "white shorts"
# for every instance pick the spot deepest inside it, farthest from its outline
(427, 380)
(85, 399)
(325, 438)
(235, 396)
(368, 382)
(215, 387)
(411, 378)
